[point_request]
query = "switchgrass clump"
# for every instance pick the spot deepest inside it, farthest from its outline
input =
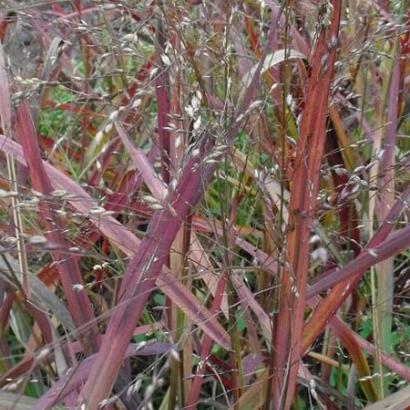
(204, 204)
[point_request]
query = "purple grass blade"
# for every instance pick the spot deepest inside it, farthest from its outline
(142, 163)
(390, 362)
(5, 102)
(76, 376)
(78, 302)
(393, 245)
